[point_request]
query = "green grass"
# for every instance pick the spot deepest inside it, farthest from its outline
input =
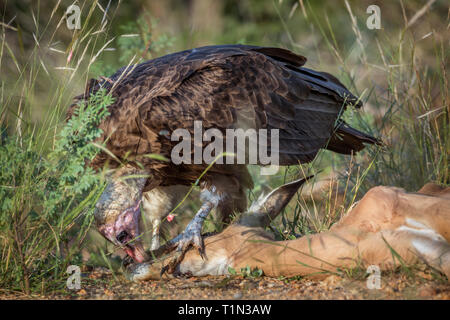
(246, 272)
(47, 194)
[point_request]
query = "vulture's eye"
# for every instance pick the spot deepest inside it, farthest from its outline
(122, 236)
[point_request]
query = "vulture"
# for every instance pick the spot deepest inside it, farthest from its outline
(222, 87)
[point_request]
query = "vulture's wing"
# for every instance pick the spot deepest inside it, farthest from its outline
(225, 87)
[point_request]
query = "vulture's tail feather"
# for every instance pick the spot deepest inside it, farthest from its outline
(346, 139)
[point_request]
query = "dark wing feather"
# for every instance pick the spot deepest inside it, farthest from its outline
(232, 86)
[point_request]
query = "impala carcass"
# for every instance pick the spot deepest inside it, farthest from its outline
(386, 225)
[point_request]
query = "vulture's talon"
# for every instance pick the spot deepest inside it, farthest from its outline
(190, 237)
(175, 261)
(164, 270)
(127, 261)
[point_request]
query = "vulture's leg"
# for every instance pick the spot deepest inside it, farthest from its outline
(192, 235)
(157, 204)
(224, 192)
(153, 213)
(156, 224)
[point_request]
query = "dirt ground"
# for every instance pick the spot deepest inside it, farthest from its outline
(101, 284)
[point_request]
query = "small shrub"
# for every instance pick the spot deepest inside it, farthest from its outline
(47, 201)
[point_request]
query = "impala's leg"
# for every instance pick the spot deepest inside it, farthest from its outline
(429, 245)
(435, 252)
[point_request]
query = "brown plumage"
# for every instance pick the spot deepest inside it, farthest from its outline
(230, 86)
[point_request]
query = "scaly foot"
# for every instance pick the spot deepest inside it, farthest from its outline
(191, 236)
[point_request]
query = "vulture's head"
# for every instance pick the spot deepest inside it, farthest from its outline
(117, 212)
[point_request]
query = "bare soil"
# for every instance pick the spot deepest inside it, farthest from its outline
(101, 284)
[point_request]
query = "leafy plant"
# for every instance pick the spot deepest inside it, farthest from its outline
(47, 202)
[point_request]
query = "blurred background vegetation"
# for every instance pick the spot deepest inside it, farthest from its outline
(46, 196)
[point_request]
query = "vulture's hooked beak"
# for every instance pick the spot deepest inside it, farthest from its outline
(124, 232)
